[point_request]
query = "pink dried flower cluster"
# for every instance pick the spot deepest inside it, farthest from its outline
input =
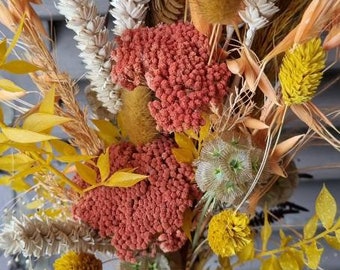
(149, 214)
(172, 61)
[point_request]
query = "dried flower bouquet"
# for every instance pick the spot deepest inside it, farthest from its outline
(191, 142)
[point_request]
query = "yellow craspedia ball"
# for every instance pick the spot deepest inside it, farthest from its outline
(78, 261)
(228, 233)
(301, 72)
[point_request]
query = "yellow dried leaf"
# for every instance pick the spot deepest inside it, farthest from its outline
(192, 134)
(63, 148)
(184, 141)
(288, 262)
(325, 207)
(285, 240)
(34, 204)
(6, 96)
(19, 67)
(333, 242)
(73, 158)
(124, 179)
(39, 122)
(20, 185)
(5, 180)
(271, 264)
(103, 165)
(310, 227)
(15, 38)
(10, 86)
(15, 162)
(187, 223)
(266, 231)
(26, 136)
(47, 104)
(87, 174)
(313, 255)
(182, 155)
(225, 263)
(205, 130)
(3, 48)
(247, 253)
(298, 255)
(51, 213)
(107, 131)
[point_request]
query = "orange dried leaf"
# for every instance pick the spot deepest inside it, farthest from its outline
(254, 123)
(284, 147)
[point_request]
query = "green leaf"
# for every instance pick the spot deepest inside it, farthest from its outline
(107, 131)
(19, 67)
(325, 207)
(25, 136)
(271, 264)
(247, 253)
(103, 165)
(47, 104)
(10, 86)
(88, 174)
(333, 242)
(266, 231)
(182, 155)
(313, 255)
(124, 179)
(310, 227)
(15, 162)
(288, 262)
(39, 122)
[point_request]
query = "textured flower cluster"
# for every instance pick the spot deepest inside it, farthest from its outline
(172, 61)
(149, 214)
(79, 261)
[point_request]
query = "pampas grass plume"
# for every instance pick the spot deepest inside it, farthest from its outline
(220, 11)
(134, 118)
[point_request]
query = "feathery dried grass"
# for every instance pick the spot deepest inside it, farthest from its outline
(135, 119)
(166, 11)
(82, 136)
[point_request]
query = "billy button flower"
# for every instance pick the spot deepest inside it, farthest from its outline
(301, 72)
(228, 233)
(79, 261)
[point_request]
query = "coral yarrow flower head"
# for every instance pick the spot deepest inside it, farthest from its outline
(79, 261)
(229, 233)
(301, 72)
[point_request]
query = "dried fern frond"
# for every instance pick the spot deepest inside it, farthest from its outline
(38, 54)
(166, 11)
(40, 237)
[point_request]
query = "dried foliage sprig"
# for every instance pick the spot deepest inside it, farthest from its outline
(51, 77)
(128, 14)
(93, 41)
(166, 11)
(40, 237)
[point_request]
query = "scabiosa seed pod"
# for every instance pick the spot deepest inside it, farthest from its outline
(225, 170)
